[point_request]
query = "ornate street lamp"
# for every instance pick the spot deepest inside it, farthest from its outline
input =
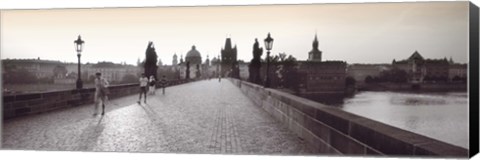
(79, 46)
(268, 46)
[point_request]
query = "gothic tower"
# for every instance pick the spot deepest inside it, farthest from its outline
(229, 57)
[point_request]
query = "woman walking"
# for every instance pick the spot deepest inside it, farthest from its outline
(152, 84)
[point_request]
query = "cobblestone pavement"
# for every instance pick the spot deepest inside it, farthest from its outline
(199, 117)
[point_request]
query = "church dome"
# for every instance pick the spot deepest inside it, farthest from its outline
(193, 53)
(193, 56)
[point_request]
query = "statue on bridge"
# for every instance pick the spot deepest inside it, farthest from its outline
(197, 73)
(150, 65)
(187, 74)
(255, 64)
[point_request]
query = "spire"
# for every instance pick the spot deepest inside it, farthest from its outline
(315, 54)
(207, 62)
(181, 58)
(315, 42)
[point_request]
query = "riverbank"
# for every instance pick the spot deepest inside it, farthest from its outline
(408, 87)
(10, 89)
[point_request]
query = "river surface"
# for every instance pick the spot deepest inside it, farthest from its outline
(442, 116)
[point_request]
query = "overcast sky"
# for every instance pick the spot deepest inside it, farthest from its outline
(356, 33)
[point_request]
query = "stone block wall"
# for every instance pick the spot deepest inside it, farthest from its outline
(33, 103)
(329, 130)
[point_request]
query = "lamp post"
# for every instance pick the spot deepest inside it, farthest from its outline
(268, 46)
(79, 46)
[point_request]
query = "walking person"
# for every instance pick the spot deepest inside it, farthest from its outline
(143, 88)
(152, 83)
(163, 83)
(101, 92)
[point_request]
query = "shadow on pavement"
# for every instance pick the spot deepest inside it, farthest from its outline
(90, 134)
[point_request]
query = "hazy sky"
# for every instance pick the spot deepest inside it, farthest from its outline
(356, 33)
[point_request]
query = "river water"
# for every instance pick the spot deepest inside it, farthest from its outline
(442, 116)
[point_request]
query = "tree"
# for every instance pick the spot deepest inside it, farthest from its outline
(151, 61)
(286, 69)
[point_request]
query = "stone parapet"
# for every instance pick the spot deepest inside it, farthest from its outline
(33, 103)
(329, 130)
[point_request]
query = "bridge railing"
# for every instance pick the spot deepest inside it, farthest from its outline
(334, 131)
(33, 103)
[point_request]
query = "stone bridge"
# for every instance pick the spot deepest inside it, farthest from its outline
(227, 117)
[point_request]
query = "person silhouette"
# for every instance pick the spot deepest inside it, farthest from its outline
(163, 82)
(101, 92)
(143, 88)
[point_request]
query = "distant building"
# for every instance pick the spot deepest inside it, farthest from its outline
(215, 66)
(457, 70)
(207, 68)
(174, 61)
(66, 73)
(181, 59)
(39, 68)
(361, 71)
(326, 77)
(437, 69)
(419, 69)
(317, 76)
(207, 62)
(110, 71)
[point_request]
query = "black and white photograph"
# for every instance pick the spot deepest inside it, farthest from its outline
(361, 79)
